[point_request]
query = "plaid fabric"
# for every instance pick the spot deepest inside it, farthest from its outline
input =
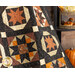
(27, 40)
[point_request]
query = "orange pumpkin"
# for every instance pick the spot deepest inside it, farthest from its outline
(68, 23)
(71, 55)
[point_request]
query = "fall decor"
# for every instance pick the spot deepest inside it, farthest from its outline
(67, 8)
(69, 22)
(71, 55)
(66, 17)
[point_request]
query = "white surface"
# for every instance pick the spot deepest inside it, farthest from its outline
(37, 2)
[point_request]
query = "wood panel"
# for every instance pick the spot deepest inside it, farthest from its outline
(68, 39)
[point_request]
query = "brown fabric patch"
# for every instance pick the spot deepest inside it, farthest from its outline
(23, 48)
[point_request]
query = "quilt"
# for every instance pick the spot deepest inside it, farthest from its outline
(28, 40)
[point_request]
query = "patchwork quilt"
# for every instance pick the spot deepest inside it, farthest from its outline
(28, 40)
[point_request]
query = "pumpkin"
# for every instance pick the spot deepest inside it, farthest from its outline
(71, 55)
(68, 23)
(71, 19)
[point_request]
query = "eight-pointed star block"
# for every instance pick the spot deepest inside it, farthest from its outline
(16, 17)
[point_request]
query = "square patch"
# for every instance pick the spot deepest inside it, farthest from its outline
(42, 61)
(3, 35)
(35, 29)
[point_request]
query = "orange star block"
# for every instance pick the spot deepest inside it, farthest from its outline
(16, 16)
(50, 43)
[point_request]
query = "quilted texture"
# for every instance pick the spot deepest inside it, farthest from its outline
(28, 40)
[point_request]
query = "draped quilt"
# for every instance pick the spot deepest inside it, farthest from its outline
(28, 40)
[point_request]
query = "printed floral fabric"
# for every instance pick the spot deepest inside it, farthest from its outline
(27, 40)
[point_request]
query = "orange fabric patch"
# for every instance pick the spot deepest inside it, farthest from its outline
(48, 65)
(28, 40)
(60, 64)
(17, 57)
(0, 56)
(14, 43)
(61, 60)
(31, 54)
